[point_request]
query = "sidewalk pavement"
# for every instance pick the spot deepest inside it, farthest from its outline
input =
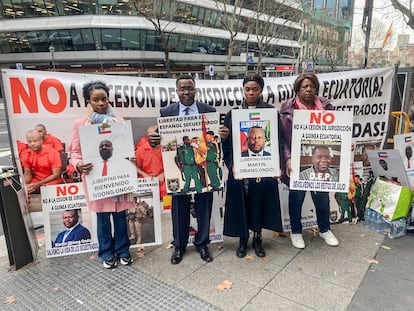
(318, 277)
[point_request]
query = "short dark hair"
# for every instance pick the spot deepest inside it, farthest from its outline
(93, 85)
(255, 78)
(256, 127)
(184, 77)
(303, 76)
(319, 147)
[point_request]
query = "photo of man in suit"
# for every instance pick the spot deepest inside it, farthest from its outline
(74, 231)
(320, 170)
(203, 202)
(256, 140)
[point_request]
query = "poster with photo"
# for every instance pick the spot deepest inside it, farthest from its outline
(144, 219)
(69, 225)
(404, 143)
(255, 143)
(321, 150)
(109, 147)
(191, 153)
(361, 156)
(387, 163)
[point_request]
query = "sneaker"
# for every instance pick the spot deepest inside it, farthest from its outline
(329, 238)
(125, 261)
(110, 264)
(297, 240)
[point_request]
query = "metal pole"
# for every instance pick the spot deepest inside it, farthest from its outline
(369, 4)
(52, 51)
(247, 55)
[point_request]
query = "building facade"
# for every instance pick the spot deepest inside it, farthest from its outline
(147, 37)
(326, 35)
(121, 36)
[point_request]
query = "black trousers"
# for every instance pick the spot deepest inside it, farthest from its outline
(180, 212)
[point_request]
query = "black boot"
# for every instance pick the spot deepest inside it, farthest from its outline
(257, 244)
(242, 249)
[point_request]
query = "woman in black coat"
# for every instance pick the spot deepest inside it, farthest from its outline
(251, 203)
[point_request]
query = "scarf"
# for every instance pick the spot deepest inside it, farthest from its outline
(97, 118)
(316, 101)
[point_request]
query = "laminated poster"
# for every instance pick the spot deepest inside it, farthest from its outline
(144, 219)
(255, 143)
(109, 147)
(69, 225)
(321, 150)
(388, 164)
(191, 153)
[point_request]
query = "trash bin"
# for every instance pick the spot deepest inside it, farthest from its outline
(16, 233)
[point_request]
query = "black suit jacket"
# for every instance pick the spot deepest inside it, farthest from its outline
(174, 109)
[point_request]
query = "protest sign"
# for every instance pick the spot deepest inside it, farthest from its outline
(144, 219)
(69, 225)
(191, 153)
(388, 164)
(255, 143)
(404, 143)
(109, 147)
(321, 150)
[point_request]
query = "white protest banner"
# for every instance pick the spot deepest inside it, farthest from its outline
(255, 143)
(109, 147)
(321, 148)
(55, 99)
(69, 225)
(191, 153)
(144, 219)
(388, 164)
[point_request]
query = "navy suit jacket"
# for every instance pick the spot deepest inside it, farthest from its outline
(174, 109)
(77, 234)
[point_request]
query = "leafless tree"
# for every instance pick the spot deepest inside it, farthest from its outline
(406, 9)
(162, 28)
(270, 18)
(230, 22)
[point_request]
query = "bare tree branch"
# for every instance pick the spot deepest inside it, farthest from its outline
(407, 11)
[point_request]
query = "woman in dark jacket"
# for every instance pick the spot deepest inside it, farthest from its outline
(306, 87)
(251, 203)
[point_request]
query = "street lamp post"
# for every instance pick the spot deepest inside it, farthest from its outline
(52, 51)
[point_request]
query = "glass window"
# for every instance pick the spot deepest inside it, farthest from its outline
(38, 40)
(318, 5)
(331, 7)
(111, 39)
(130, 39)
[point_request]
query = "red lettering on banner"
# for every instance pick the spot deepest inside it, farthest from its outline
(64, 190)
(18, 92)
(58, 86)
(324, 117)
(27, 97)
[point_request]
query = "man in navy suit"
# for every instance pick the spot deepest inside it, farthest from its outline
(74, 232)
(180, 210)
(256, 140)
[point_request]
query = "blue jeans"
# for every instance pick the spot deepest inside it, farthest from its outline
(118, 245)
(321, 202)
